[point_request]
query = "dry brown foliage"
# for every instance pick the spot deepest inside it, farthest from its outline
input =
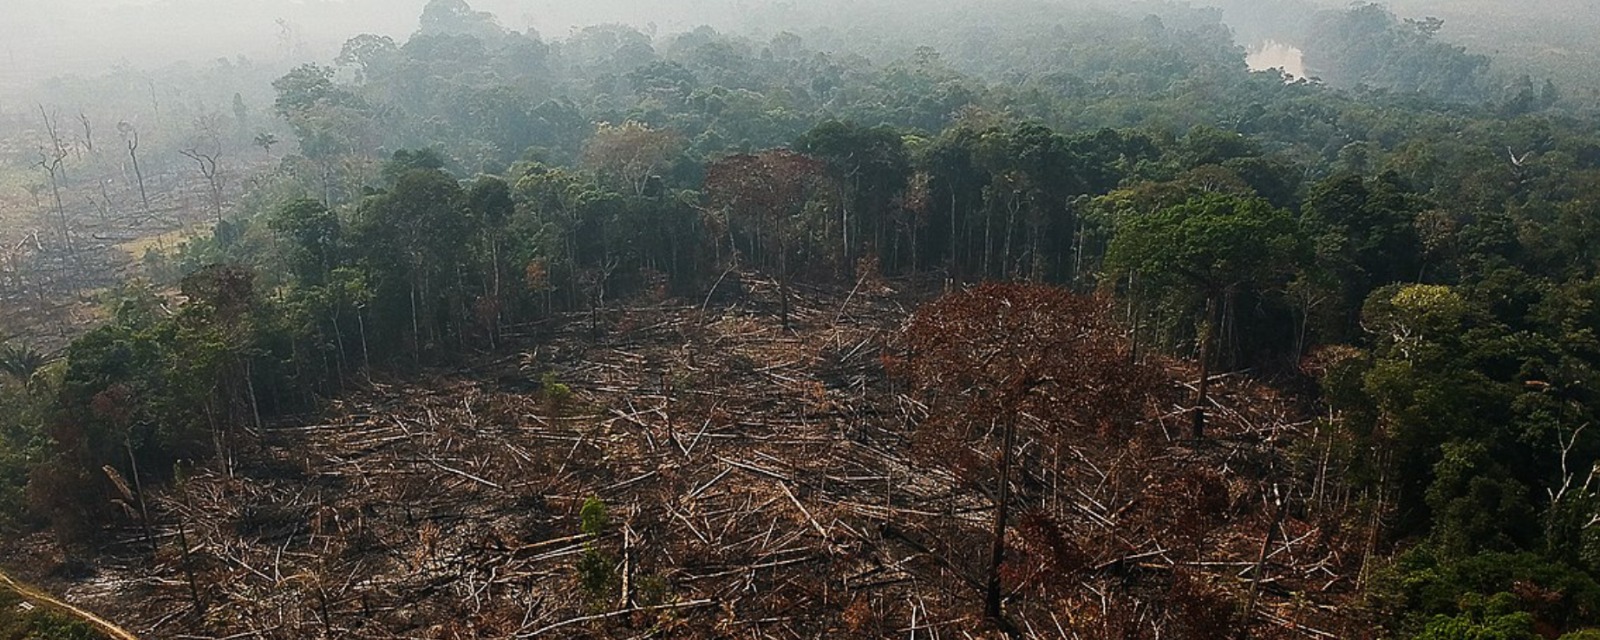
(760, 483)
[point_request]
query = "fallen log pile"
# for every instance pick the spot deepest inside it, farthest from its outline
(682, 472)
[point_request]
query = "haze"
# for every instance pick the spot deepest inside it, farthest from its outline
(82, 36)
(42, 39)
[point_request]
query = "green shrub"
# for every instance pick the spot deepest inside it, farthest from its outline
(556, 395)
(596, 568)
(1428, 592)
(39, 623)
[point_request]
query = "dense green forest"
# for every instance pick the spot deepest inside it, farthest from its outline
(1409, 244)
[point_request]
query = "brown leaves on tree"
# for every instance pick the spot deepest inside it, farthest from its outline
(763, 193)
(1051, 358)
(1026, 365)
(1030, 396)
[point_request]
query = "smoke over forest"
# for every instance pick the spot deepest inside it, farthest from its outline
(40, 39)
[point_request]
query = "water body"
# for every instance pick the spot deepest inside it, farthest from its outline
(1277, 55)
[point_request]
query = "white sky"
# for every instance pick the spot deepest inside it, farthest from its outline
(39, 38)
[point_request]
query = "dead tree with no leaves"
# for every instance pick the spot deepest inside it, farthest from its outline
(207, 159)
(51, 160)
(130, 135)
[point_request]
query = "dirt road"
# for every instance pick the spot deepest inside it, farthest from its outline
(39, 597)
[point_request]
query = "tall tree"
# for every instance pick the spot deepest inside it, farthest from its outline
(1001, 364)
(767, 195)
(1206, 251)
(871, 168)
(632, 153)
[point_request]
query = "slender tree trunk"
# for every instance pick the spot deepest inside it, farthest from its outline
(1077, 261)
(61, 215)
(844, 226)
(138, 174)
(366, 357)
(216, 439)
(416, 332)
(1011, 232)
(1035, 258)
(138, 494)
(1261, 564)
(783, 283)
(1134, 317)
(988, 240)
(1208, 330)
(997, 549)
(494, 332)
(916, 262)
(954, 236)
(188, 564)
(216, 198)
(338, 339)
(250, 387)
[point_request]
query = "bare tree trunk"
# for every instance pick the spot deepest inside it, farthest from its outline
(954, 254)
(1261, 563)
(1077, 261)
(207, 163)
(138, 494)
(188, 563)
(57, 147)
(997, 549)
(250, 387)
(988, 240)
(88, 131)
(366, 357)
(844, 226)
(131, 137)
(1011, 232)
(338, 339)
(783, 283)
(494, 258)
(416, 333)
(1208, 330)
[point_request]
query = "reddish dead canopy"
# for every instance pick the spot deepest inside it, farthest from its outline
(772, 183)
(1054, 359)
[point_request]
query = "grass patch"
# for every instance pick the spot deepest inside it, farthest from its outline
(21, 620)
(165, 243)
(16, 205)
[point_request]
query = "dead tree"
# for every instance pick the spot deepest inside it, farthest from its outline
(207, 159)
(51, 164)
(985, 358)
(88, 131)
(207, 162)
(765, 195)
(51, 160)
(130, 135)
(58, 147)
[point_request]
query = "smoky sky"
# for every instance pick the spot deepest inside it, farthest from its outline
(42, 38)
